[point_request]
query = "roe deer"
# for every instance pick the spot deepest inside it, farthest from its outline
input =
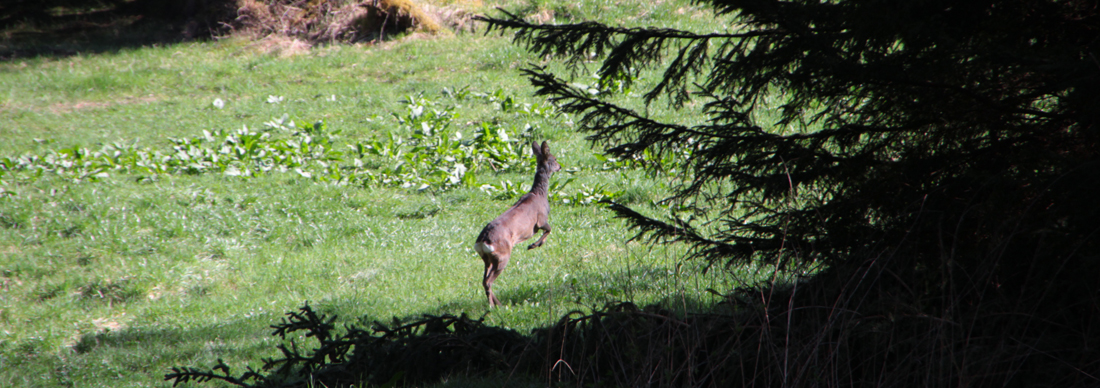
(530, 213)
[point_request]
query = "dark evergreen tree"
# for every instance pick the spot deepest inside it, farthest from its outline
(940, 158)
(937, 124)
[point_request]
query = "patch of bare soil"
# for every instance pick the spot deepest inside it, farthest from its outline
(74, 106)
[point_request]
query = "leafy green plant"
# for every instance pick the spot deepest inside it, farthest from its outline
(506, 103)
(243, 152)
(585, 195)
(436, 155)
(505, 190)
(617, 84)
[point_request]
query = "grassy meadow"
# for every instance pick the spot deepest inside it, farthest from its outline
(115, 268)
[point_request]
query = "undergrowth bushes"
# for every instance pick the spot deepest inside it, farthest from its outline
(763, 337)
(427, 151)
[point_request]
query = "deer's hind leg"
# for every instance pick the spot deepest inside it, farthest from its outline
(494, 266)
(488, 284)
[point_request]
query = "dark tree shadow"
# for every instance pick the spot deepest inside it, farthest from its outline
(62, 28)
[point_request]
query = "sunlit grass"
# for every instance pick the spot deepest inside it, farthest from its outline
(109, 282)
(215, 258)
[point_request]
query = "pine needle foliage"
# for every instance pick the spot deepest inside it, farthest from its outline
(939, 159)
(918, 124)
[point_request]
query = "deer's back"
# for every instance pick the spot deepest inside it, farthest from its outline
(518, 223)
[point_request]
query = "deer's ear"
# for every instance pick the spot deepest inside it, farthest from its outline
(535, 149)
(545, 147)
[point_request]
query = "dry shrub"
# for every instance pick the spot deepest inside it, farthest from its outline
(280, 45)
(376, 19)
(452, 17)
(326, 21)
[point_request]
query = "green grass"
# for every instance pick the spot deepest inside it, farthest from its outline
(109, 282)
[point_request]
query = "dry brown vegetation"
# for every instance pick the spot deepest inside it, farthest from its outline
(29, 29)
(329, 21)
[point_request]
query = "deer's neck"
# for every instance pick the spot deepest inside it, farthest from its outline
(542, 182)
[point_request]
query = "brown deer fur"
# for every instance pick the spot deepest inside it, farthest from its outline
(530, 214)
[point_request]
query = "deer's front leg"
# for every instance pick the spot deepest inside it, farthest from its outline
(542, 239)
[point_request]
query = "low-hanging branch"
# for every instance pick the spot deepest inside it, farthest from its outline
(875, 115)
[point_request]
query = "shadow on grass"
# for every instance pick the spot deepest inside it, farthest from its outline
(63, 28)
(797, 334)
(598, 289)
(183, 344)
(139, 354)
